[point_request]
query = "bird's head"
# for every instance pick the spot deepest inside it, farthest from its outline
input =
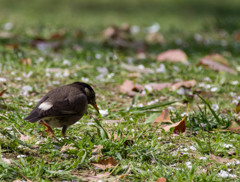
(89, 92)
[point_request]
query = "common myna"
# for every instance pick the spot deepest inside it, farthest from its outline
(63, 106)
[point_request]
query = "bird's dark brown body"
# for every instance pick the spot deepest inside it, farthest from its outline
(63, 106)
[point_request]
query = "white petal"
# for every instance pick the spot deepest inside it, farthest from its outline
(45, 106)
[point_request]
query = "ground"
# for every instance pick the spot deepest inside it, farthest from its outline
(47, 44)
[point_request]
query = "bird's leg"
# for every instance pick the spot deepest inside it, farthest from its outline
(49, 130)
(64, 129)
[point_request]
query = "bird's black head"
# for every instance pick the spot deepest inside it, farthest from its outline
(89, 92)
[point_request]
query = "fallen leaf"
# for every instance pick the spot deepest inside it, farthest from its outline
(159, 86)
(11, 46)
(216, 63)
(174, 55)
(67, 147)
(97, 152)
(97, 149)
(6, 35)
(163, 117)
(186, 84)
(128, 87)
(134, 75)
(58, 35)
(222, 160)
(237, 36)
(162, 179)
(105, 163)
(26, 61)
(154, 37)
(90, 176)
(110, 32)
(8, 161)
(217, 58)
(179, 127)
(24, 138)
(2, 92)
(44, 44)
(234, 127)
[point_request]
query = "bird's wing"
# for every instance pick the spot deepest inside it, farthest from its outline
(45, 108)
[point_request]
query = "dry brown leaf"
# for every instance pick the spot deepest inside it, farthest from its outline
(159, 86)
(174, 55)
(110, 32)
(97, 149)
(2, 92)
(186, 84)
(179, 127)
(6, 35)
(67, 147)
(90, 176)
(97, 152)
(105, 163)
(162, 179)
(163, 117)
(155, 38)
(11, 46)
(8, 161)
(217, 58)
(234, 127)
(237, 36)
(238, 107)
(217, 63)
(26, 61)
(58, 35)
(128, 87)
(222, 160)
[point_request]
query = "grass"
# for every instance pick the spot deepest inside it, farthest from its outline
(142, 152)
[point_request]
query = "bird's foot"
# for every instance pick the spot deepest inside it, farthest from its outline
(49, 130)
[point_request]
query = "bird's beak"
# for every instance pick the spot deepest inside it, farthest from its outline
(96, 107)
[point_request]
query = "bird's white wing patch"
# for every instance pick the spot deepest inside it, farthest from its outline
(45, 106)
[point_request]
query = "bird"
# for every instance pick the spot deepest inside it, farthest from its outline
(63, 106)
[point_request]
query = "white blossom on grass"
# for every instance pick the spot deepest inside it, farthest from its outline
(225, 174)
(103, 112)
(161, 69)
(203, 158)
(188, 165)
(192, 148)
(215, 107)
(21, 156)
(66, 62)
(134, 29)
(235, 82)
(3, 79)
(8, 26)
(25, 90)
(227, 146)
(85, 79)
(98, 56)
(214, 89)
(155, 27)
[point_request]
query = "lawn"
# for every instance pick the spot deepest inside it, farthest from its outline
(47, 44)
